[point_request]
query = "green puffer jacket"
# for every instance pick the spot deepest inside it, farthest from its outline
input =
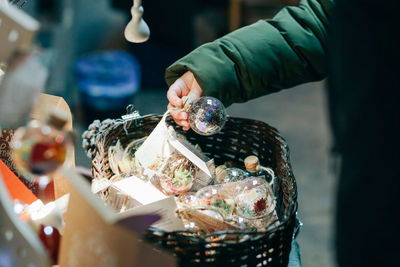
(264, 57)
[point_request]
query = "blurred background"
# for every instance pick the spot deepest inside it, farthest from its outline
(98, 73)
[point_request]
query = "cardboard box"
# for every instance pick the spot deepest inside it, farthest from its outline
(96, 235)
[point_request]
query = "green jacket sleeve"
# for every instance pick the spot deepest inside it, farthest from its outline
(264, 57)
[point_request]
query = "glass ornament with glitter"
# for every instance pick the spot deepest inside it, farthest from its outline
(41, 148)
(207, 115)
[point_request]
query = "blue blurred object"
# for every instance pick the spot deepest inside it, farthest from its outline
(107, 81)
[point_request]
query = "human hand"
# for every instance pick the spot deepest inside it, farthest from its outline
(186, 85)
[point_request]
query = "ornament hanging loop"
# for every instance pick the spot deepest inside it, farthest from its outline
(131, 116)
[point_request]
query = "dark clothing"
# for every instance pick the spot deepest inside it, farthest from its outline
(364, 109)
(355, 43)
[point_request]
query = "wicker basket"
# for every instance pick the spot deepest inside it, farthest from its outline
(239, 138)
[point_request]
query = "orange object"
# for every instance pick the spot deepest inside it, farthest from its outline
(16, 188)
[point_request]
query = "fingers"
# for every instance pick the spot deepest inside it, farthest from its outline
(177, 114)
(186, 85)
(180, 117)
(176, 91)
(174, 97)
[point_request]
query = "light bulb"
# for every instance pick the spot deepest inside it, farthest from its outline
(137, 30)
